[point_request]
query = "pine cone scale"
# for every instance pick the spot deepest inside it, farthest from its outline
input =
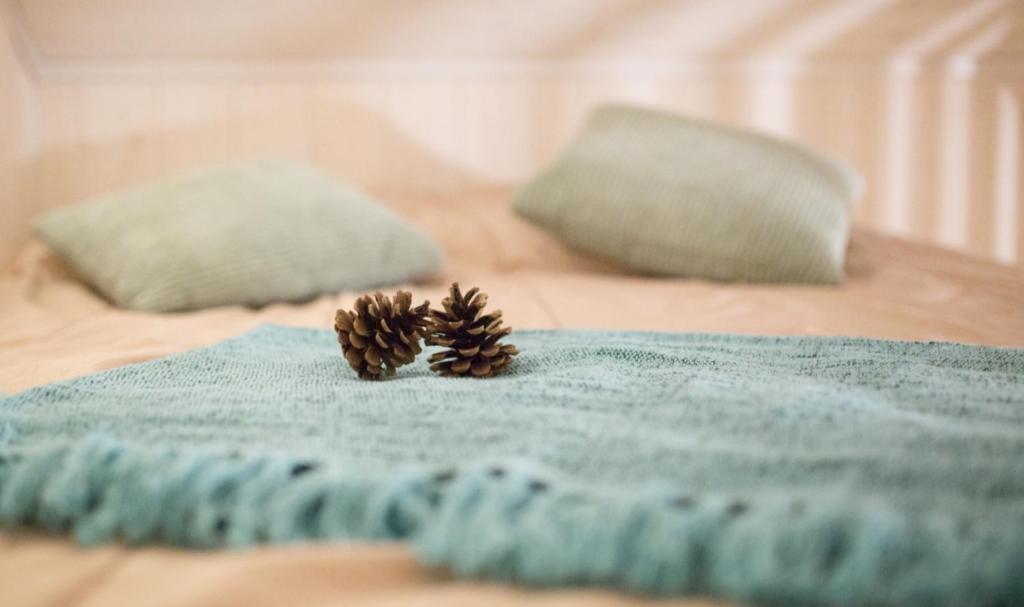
(379, 335)
(470, 335)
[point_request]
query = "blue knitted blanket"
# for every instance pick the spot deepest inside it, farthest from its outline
(767, 469)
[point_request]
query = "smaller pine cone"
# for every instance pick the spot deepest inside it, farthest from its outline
(471, 336)
(380, 335)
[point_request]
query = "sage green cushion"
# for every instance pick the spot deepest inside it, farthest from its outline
(251, 234)
(664, 194)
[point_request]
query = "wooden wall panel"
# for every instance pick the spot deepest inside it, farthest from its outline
(923, 96)
(17, 121)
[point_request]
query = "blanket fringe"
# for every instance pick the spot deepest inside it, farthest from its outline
(515, 522)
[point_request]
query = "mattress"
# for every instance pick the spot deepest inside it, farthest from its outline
(54, 327)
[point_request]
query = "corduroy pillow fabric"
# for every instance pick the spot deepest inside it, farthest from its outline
(249, 234)
(668, 195)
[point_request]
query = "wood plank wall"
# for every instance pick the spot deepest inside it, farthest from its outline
(924, 97)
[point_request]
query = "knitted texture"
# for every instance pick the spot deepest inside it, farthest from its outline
(251, 233)
(769, 469)
(665, 194)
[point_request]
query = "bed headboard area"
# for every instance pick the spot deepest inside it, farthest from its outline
(924, 97)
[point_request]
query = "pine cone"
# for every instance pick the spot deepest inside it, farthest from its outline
(471, 335)
(380, 335)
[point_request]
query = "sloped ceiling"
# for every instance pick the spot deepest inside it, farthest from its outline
(89, 32)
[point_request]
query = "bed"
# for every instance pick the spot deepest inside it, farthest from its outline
(53, 327)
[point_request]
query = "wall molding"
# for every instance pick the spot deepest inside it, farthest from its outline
(70, 70)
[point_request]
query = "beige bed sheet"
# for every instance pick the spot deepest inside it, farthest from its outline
(52, 327)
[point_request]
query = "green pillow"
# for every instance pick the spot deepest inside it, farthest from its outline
(250, 234)
(673, 196)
